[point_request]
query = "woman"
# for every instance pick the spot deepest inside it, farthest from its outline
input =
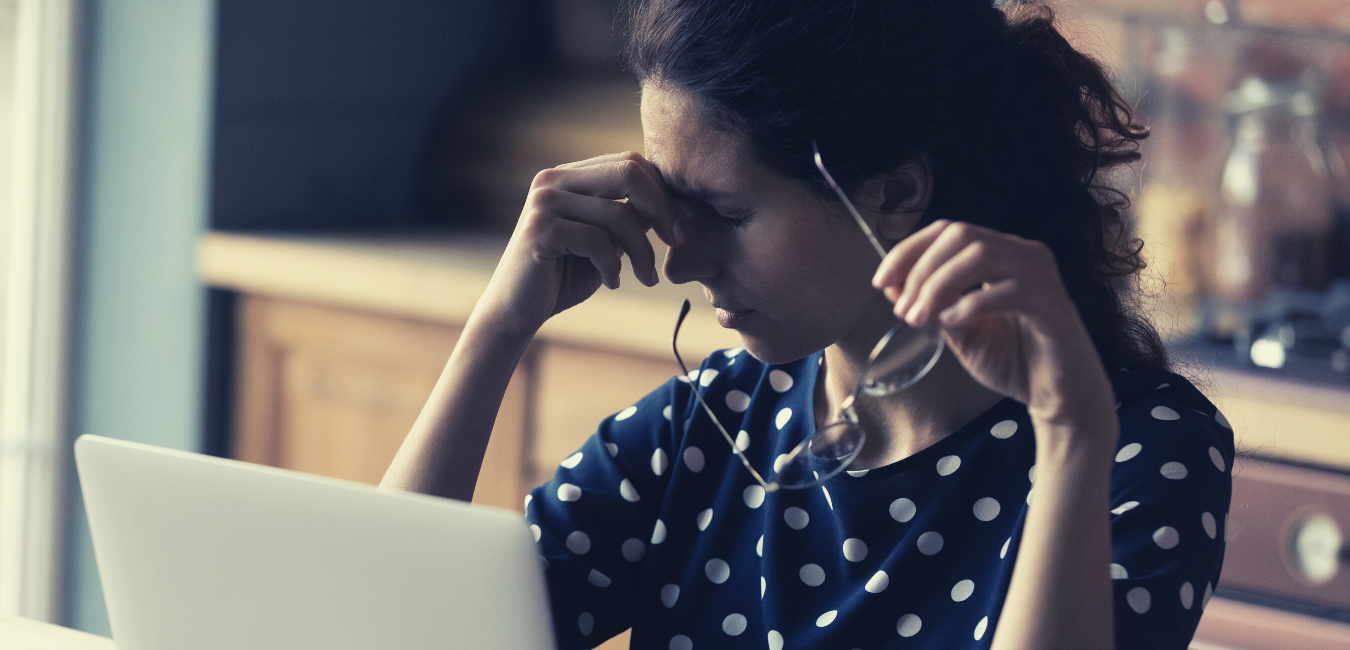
(975, 143)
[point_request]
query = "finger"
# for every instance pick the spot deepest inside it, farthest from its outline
(584, 240)
(948, 243)
(621, 176)
(619, 220)
(901, 258)
(994, 298)
(971, 266)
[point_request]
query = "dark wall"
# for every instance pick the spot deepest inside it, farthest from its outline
(326, 110)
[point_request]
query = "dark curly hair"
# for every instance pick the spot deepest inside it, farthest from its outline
(1017, 126)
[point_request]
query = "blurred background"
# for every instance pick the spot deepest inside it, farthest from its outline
(254, 229)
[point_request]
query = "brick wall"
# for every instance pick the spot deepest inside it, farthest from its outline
(1176, 60)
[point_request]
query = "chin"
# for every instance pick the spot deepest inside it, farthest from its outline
(775, 352)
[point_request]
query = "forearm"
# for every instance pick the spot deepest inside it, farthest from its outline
(444, 450)
(1060, 595)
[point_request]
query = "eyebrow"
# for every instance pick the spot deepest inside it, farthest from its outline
(682, 189)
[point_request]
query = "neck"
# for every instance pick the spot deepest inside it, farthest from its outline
(901, 424)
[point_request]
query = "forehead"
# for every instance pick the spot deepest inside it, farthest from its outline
(695, 159)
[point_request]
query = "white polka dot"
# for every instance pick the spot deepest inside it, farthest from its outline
(1211, 527)
(1209, 591)
(633, 550)
(753, 496)
(775, 640)
(1128, 451)
(878, 583)
(902, 510)
(665, 412)
(930, 543)
(981, 627)
(717, 570)
(659, 532)
(579, 542)
(796, 518)
(528, 499)
(568, 492)
(1223, 421)
(1003, 552)
(855, 550)
(670, 594)
(1164, 413)
(659, 461)
(828, 500)
(598, 579)
(781, 381)
(586, 623)
(732, 353)
(693, 459)
(626, 413)
(827, 618)
(1139, 599)
(1118, 572)
(908, 625)
(986, 509)
(681, 642)
(1125, 507)
(763, 586)
(1033, 489)
(812, 575)
(613, 448)
(734, 625)
(1004, 430)
(948, 464)
(705, 518)
(1217, 458)
(1166, 537)
(962, 590)
(571, 461)
(738, 401)
(857, 473)
(1187, 595)
(693, 374)
(1173, 470)
(536, 531)
(782, 418)
(707, 377)
(628, 492)
(780, 462)
(1031, 474)
(742, 441)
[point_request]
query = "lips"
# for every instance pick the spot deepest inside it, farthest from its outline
(732, 319)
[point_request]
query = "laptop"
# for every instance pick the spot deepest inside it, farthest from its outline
(204, 553)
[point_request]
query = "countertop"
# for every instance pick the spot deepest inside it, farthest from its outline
(439, 277)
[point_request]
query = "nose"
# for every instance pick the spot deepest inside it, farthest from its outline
(694, 260)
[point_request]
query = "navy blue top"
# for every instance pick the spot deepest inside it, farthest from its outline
(655, 525)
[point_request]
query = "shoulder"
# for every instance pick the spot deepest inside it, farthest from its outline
(1170, 430)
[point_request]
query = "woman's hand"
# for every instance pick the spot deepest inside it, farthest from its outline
(575, 226)
(1006, 315)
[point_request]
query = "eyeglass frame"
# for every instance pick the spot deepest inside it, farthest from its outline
(849, 416)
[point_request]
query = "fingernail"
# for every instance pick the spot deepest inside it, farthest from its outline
(679, 232)
(902, 305)
(913, 316)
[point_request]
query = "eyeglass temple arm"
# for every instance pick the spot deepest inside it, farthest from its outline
(867, 230)
(693, 384)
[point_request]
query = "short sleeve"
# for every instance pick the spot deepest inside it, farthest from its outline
(1170, 491)
(596, 519)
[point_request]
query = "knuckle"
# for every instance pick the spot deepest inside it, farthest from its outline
(546, 178)
(542, 198)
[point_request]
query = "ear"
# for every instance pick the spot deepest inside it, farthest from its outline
(901, 197)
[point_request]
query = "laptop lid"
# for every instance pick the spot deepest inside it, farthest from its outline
(201, 552)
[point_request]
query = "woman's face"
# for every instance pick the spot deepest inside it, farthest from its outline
(788, 271)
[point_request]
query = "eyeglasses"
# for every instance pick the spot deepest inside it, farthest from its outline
(902, 357)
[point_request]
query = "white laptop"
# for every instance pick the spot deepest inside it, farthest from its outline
(201, 553)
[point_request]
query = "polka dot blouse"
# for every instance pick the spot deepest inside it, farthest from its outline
(655, 525)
